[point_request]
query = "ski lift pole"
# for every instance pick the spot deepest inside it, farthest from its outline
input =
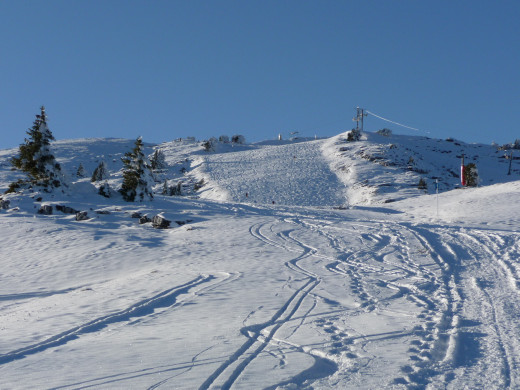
(462, 176)
(437, 190)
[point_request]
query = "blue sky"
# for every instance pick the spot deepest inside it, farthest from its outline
(169, 69)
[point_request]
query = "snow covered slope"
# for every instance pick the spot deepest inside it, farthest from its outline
(380, 169)
(287, 174)
(242, 293)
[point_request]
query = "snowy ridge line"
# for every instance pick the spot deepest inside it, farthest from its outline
(143, 308)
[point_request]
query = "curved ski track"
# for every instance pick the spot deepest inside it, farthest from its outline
(432, 267)
(260, 335)
(144, 308)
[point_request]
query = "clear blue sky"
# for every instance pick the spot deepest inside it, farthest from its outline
(169, 69)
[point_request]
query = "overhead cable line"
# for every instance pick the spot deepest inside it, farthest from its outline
(395, 123)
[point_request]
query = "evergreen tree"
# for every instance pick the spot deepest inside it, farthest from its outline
(157, 160)
(100, 173)
(471, 175)
(422, 184)
(166, 188)
(137, 175)
(35, 156)
(81, 171)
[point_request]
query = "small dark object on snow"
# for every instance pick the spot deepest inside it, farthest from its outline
(180, 223)
(4, 204)
(66, 209)
(136, 215)
(81, 216)
(144, 219)
(104, 212)
(159, 222)
(39, 199)
(46, 209)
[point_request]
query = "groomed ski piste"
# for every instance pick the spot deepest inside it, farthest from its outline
(304, 264)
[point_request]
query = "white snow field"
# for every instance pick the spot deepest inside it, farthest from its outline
(352, 279)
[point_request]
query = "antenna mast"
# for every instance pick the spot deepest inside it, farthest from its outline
(360, 114)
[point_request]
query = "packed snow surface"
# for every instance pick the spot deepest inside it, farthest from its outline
(352, 279)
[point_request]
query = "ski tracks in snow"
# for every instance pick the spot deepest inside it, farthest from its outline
(378, 265)
(491, 306)
(481, 279)
(169, 298)
(259, 336)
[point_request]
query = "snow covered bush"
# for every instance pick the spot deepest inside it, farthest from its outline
(354, 135)
(198, 185)
(137, 175)
(105, 190)
(384, 132)
(35, 157)
(238, 139)
(209, 144)
(224, 139)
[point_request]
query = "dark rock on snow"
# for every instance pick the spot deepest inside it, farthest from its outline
(159, 222)
(66, 209)
(81, 216)
(45, 209)
(144, 219)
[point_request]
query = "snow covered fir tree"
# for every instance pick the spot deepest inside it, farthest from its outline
(137, 175)
(157, 160)
(100, 173)
(35, 157)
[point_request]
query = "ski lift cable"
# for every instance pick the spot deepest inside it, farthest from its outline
(395, 123)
